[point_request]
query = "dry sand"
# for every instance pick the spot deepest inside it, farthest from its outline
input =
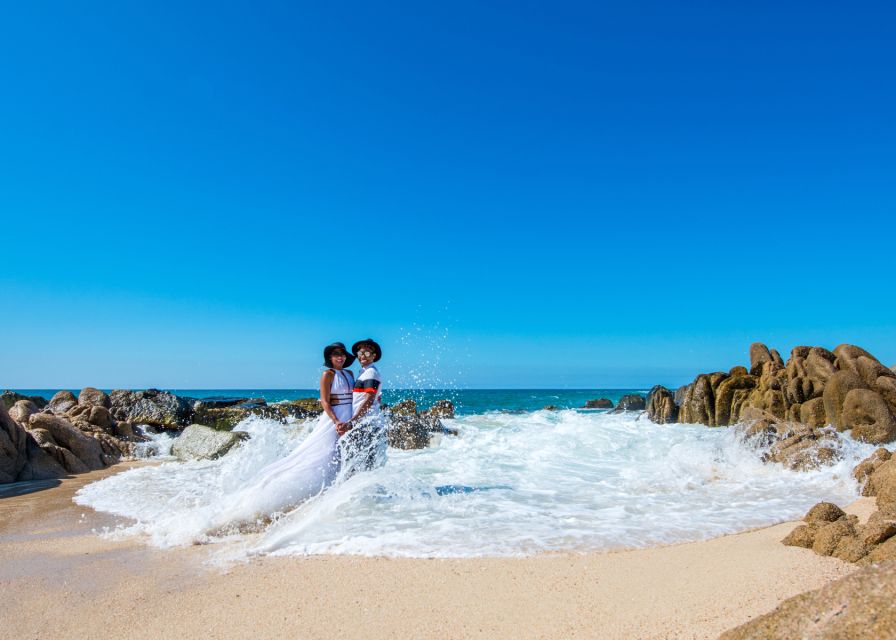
(59, 579)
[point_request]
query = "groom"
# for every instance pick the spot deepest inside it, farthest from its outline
(364, 443)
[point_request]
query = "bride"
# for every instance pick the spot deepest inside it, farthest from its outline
(315, 464)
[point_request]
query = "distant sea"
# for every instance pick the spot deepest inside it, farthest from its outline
(466, 401)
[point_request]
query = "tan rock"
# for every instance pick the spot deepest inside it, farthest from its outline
(835, 392)
(812, 413)
(62, 402)
(882, 483)
(725, 397)
(883, 552)
(851, 549)
(886, 386)
(828, 535)
(867, 466)
(759, 354)
(66, 435)
(881, 526)
(94, 398)
(738, 371)
(823, 513)
(869, 417)
(803, 536)
(22, 410)
(857, 606)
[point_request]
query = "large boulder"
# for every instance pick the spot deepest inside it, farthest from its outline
(730, 397)
(869, 417)
(661, 407)
(759, 355)
(9, 398)
(406, 407)
(93, 398)
(599, 403)
(151, 407)
(699, 405)
(198, 442)
(882, 483)
(857, 606)
(22, 410)
(62, 402)
(13, 447)
(812, 413)
(835, 391)
(869, 465)
(409, 432)
(440, 409)
(65, 435)
(630, 402)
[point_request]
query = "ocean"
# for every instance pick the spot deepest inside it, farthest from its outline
(517, 480)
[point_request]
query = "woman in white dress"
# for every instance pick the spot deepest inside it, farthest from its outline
(315, 463)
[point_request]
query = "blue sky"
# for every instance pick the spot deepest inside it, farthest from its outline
(513, 194)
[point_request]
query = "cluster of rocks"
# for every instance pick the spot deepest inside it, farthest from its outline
(788, 405)
(830, 532)
(413, 429)
(66, 435)
(630, 402)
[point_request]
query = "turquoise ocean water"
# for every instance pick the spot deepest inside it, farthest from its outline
(466, 401)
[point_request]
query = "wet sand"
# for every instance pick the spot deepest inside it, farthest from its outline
(59, 578)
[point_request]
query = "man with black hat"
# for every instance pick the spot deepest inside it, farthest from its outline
(364, 442)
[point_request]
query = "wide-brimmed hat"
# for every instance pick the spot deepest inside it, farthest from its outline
(371, 342)
(328, 351)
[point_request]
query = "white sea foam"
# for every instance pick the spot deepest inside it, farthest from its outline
(510, 484)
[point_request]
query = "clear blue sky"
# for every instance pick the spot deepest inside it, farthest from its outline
(505, 194)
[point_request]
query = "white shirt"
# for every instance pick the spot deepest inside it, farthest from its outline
(368, 382)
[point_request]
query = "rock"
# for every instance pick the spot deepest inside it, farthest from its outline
(9, 398)
(886, 386)
(198, 442)
(301, 408)
(835, 391)
(828, 535)
(729, 398)
(800, 352)
(152, 407)
(881, 526)
(857, 606)
(600, 403)
(222, 402)
(22, 410)
(867, 466)
(94, 398)
(803, 536)
(759, 355)
(850, 549)
(883, 552)
(62, 402)
(868, 415)
(882, 483)
(100, 416)
(803, 448)
(630, 402)
(550, 407)
(406, 407)
(698, 406)
(65, 435)
(13, 447)
(738, 371)
(440, 409)
(661, 407)
(40, 464)
(812, 413)
(409, 432)
(823, 513)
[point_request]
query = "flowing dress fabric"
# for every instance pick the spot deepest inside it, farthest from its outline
(305, 472)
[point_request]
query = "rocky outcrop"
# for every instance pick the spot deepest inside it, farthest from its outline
(9, 398)
(62, 402)
(630, 402)
(412, 429)
(599, 403)
(847, 388)
(151, 407)
(13, 447)
(857, 606)
(74, 450)
(198, 442)
(661, 407)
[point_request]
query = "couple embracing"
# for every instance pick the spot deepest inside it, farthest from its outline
(353, 407)
(348, 437)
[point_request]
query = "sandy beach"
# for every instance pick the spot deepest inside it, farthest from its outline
(61, 579)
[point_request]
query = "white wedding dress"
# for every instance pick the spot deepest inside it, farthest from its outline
(304, 473)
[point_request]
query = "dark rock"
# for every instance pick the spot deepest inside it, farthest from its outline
(440, 409)
(777, 359)
(738, 371)
(9, 398)
(869, 417)
(630, 402)
(857, 606)
(93, 398)
(698, 406)
(62, 402)
(550, 407)
(409, 432)
(153, 407)
(198, 442)
(730, 396)
(600, 403)
(406, 407)
(40, 464)
(661, 407)
(222, 402)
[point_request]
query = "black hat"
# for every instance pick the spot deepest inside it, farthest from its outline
(328, 351)
(371, 342)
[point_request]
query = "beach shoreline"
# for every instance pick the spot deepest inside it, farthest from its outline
(62, 579)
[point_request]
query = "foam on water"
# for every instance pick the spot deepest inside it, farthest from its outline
(510, 484)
